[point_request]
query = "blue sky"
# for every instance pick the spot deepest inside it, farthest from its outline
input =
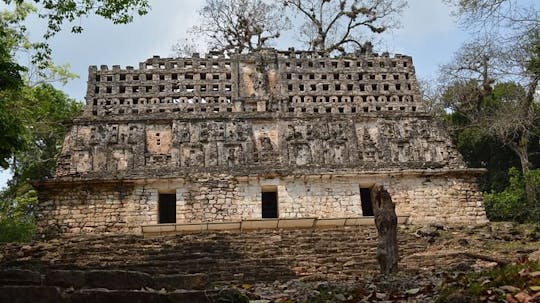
(428, 33)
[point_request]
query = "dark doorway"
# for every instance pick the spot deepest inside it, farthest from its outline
(269, 204)
(367, 206)
(167, 208)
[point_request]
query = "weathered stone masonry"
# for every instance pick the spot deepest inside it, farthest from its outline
(218, 132)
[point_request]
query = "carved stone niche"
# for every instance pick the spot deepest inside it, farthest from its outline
(181, 133)
(98, 157)
(266, 140)
(299, 154)
(83, 134)
(192, 155)
(234, 155)
(243, 132)
(211, 154)
(265, 150)
(97, 134)
(158, 139)
(339, 153)
(81, 161)
(135, 134)
(338, 131)
(237, 131)
(112, 130)
(217, 131)
(123, 134)
(295, 132)
(203, 132)
(121, 159)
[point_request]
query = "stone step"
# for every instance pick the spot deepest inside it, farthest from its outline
(264, 255)
(108, 279)
(51, 294)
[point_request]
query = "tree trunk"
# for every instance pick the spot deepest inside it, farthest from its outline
(530, 190)
(386, 222)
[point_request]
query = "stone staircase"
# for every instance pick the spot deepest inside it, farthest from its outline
(185, 267)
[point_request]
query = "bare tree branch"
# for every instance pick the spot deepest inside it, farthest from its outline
(336, 25)
(240, 25)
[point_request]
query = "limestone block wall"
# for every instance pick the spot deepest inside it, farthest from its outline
(209, 199)
(91, 208)
(438, 200)
(221, 198)
(307, 197)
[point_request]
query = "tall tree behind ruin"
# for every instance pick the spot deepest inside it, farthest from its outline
(14, 38)
(493, 80)
(31, 111)
(240, 25)
(341, 25)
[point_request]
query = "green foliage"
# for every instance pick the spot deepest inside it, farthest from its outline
(511, 204)
(32, 112)
(473, 117)
(58, 12)
(43, 109)
(480, 150)
(15, 230)
(12, 126)
(17, 222)
(16, 106)
(49, 109)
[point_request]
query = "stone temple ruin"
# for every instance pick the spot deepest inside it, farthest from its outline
(272, 134)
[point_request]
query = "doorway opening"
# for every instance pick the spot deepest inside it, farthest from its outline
(167, 208)
(365, 198)
(269, 203)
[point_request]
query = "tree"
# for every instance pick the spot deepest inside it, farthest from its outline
(31, 111)
(240, 25)
(481, 90)
(492, 59)
(493, 80)
(44, 115)
(186, 47)
(57, 12)
(336, 25)
(14, 39)
(510, 114)
(489, 15)
(11, 81)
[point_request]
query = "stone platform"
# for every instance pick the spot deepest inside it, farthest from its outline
(250, 225)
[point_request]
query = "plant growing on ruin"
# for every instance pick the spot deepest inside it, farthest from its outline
(339, 25)
(240, 25)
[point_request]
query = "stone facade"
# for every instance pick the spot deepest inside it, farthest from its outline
(217, 133)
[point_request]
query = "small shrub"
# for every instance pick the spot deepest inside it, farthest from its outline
(511, 204)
